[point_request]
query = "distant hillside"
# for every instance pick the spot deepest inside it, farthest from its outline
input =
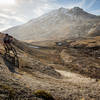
(58, 24)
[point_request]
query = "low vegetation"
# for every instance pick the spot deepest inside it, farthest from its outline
(43, 94)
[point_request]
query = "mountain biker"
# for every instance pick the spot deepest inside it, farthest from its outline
(7, 41)
(9, 47)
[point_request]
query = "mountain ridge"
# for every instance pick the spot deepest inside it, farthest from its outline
(57, 24)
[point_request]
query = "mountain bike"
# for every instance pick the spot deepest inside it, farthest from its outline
(11, 55)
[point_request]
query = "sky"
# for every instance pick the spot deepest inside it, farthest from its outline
(17, 12)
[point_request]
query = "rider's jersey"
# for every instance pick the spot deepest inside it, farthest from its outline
(7, 39)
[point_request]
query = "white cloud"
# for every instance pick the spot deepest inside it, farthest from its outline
(8, 17)
(5, 27)
(82, 3)
(96, 12)
(38, 12)
(18, 19)
(4, 15)
(91, 4)
(75, 3)
(7, 2)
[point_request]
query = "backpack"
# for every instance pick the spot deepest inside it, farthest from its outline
(6, 39)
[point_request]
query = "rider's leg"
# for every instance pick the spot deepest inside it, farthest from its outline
(5, 46)
(13, 50)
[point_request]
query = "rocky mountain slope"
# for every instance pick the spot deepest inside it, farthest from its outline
(57, 72)
(95, 31)
(56, 25)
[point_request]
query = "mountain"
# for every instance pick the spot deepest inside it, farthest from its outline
(56, 25)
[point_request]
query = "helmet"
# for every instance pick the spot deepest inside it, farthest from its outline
(6, 34)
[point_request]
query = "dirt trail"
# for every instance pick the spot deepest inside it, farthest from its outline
(33, 81)
(45, 81)
(75, 78)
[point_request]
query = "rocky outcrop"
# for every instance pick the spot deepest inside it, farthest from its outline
(95, 31)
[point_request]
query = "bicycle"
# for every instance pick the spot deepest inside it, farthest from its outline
(11, 54)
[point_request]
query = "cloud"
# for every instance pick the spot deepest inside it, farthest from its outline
(91, 4)
(8, 17)
(82, 3)
(4, 27)
(75, 3)
(96, 12)
(4, 24)
(19, 19)
(4, 15)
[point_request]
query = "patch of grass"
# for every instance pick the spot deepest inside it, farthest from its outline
(10, 92)
(43, 94)
(24, 61)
